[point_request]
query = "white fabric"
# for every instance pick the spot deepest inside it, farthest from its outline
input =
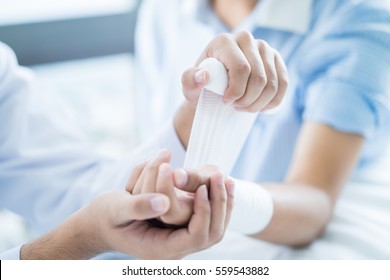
(253, 208)
(47, 172)
(217, 136)
(218, 131)
(12, 254)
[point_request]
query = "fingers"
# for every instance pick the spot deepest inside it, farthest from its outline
(147, 180)
(225, 49)
(257, 74)
(282, 83)
(124, 207)
(218, 198)
(134, 176)
(239, 71)
(190, 180)
(258, 78)
(193, 80)
(272, 83)
(230, 185)
(165, 185)
(198, 227)
(209, 222)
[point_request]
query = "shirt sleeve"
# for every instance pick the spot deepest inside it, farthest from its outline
(345, 74)
(12, 254)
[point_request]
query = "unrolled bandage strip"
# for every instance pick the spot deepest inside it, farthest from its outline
(218, 131)
(217, 137)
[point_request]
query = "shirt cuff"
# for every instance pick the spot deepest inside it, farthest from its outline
(12, 254)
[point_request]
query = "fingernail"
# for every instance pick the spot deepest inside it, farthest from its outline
(159, 204)
(181, 178)
(200, 76)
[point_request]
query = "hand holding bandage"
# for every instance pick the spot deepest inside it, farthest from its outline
(218, 133)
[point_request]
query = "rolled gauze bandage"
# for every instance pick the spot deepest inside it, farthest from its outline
(217, 137)
(218, 131)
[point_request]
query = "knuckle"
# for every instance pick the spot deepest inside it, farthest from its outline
(262, 44)
(283, 80)
(207, 211)
(224, 198)
(272, 85)
(273, 104)
(217, 236)
(244, 36)
(243, 67)
(259, 79)
(224, 37)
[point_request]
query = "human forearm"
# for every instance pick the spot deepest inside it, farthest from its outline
(304, 203)
(183, 122)
(301, 213)
(74, 239)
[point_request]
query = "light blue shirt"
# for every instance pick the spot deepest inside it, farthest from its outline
(337, 54)
(47, 171)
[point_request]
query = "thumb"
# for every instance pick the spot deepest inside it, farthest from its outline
(193, 80)
(141, 207)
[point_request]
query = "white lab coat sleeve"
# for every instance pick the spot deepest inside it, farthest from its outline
(166, 138)
(12, 254)
(47, 171)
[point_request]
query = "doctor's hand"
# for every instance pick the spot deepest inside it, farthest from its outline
(258, 76)
(120, 221)
(156, 176)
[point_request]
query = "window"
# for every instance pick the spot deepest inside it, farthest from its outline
(25, 11)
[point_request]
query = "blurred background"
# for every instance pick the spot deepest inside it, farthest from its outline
(81, 52)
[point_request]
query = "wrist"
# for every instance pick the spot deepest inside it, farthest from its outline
(88, 234)
(183, 120)
(71, 240)
(253, 209)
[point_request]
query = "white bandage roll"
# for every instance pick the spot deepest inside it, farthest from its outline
(219, 131)
(218, 134)
(253, 208)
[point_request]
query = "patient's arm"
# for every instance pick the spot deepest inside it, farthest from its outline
(304, 202)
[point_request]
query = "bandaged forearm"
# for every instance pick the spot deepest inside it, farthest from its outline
(253, 208)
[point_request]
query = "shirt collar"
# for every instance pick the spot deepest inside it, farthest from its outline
(285, 15)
